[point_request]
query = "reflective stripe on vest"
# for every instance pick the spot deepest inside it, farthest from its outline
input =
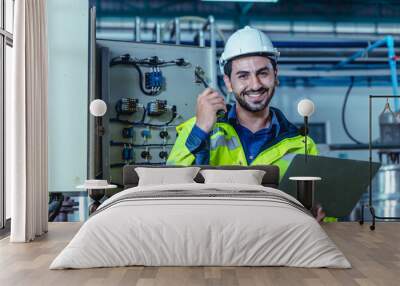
(221, 141)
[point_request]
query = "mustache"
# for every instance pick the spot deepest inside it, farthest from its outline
(260, 91)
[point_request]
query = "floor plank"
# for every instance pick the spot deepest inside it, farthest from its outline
(375, 257)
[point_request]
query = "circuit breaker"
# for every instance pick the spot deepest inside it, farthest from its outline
(149, 90)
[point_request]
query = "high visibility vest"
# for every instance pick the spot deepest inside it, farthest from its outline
(226, 149)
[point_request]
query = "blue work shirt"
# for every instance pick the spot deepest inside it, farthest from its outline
(252, 142)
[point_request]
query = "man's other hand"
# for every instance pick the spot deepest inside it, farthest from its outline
(318, 213)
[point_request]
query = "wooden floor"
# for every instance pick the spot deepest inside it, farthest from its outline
(375, 257)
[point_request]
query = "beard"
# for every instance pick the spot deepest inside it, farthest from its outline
(251, 106)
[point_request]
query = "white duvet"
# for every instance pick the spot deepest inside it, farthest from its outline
(188, 231)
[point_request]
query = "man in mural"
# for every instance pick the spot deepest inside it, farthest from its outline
(251, 132)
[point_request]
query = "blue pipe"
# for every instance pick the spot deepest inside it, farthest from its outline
(389, 42)
(359, 54)
(320, 44)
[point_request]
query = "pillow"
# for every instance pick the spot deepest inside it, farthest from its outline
(249, 177)
(166, 176)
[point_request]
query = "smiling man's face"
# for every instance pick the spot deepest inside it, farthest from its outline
(253, 81)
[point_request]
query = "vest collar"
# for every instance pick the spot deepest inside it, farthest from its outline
(286, 128)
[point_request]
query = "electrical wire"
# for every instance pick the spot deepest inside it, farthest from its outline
(344, 112)
(156, 62)
(153, 62)
(174, 114)
(142, 123)
(117, 143)
(144, 114)
(126, 60)
(122, 121)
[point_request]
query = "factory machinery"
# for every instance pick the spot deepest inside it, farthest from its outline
(149, 89)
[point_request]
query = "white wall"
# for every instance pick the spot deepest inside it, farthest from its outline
(68, 92)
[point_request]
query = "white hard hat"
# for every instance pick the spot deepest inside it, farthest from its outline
(247, 41)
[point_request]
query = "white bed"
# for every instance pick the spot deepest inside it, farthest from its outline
(203, 225)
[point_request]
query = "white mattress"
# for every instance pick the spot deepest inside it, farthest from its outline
(189, 231)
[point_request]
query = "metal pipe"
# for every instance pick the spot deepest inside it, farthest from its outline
(287, 27)
(370, 150)
(158, 33)
(91, 164)
(202, 41)
(213, 45)
(177, 31)
(335, 73)
(371, 208)
(393, 69)
(106, 96)
(137, 29)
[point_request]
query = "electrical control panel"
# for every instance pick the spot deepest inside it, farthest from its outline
(149, 89)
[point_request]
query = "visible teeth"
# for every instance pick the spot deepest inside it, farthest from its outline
(254, 95)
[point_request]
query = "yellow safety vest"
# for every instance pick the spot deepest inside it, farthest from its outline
(226, 149)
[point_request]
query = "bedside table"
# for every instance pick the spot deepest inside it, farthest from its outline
(305, 190)
(96, 190)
